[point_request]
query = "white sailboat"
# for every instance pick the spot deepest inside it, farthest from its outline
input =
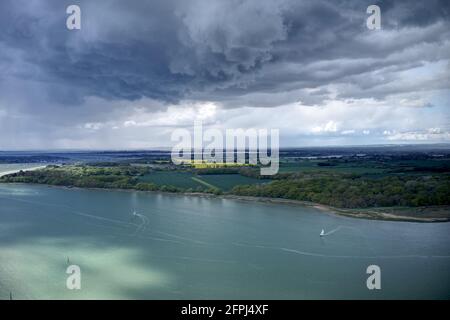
(322, 233)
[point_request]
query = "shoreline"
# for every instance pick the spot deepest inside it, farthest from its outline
(361, 213)
(369, 213)
(5, 173)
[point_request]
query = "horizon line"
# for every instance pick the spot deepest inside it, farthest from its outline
(446, 144)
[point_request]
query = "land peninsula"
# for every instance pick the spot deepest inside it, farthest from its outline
(416, 188)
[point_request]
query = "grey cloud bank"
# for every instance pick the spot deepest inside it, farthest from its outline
(138, 69)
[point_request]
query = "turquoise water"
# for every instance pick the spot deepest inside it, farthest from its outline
(180, 247)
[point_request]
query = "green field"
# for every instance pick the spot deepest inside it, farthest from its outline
(366, 167)
(226, 182)
(308, 166)
(172, 178)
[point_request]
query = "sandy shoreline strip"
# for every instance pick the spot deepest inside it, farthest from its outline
(21, 169)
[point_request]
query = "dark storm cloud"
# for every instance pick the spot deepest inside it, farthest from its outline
(169, 50)
(136, 69)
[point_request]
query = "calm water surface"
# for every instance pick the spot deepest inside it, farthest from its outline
(180, 247)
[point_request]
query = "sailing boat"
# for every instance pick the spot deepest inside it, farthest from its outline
(322, 233)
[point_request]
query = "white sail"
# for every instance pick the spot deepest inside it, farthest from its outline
(322, 233)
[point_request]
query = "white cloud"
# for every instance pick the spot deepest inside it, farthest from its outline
(330, 126)
(94, 125)
(144, 124)
(130, 123)
(175, 115)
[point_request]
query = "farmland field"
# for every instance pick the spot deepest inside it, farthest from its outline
(226, 182)
(171, 178)
(313, 166)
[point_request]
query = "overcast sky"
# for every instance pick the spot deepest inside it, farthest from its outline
(137, 70)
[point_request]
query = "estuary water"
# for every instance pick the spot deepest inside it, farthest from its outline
(132, 245)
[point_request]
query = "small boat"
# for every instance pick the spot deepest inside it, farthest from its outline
(322, 233)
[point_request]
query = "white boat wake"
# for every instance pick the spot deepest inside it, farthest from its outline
(324, 255)
(323, 233)
(143, 225)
